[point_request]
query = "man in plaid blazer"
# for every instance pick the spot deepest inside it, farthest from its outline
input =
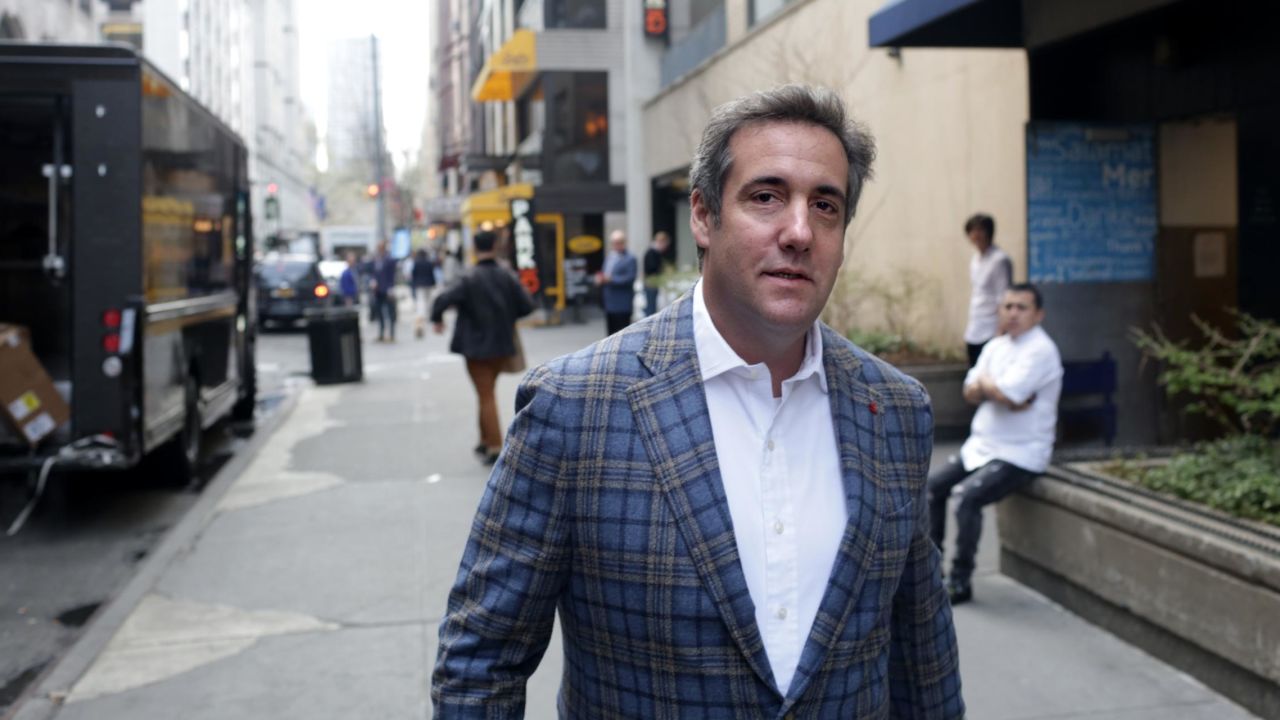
(634, 496)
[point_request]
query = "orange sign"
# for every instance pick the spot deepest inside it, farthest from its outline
(655, 18)
(529, 278)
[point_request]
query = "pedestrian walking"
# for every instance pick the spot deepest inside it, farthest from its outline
(422, 279)
(1015, 383)
(990, 274)
(382, 285)
(489, 300)
(617, 280)
(724, 503)
(349, 282)
(656, 266)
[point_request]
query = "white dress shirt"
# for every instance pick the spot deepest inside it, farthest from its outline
(989, 275)
(1029, 365)
(781, 471)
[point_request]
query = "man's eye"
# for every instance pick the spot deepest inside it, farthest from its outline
(826, 206)
(764, 197)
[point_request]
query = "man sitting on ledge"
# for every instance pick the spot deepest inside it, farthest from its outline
(1015, 384)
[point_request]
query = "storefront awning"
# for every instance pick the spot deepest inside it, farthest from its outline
(493, 205)
(508, 71)
(947, 23)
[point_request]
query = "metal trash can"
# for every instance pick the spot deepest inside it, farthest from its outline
(334, 336)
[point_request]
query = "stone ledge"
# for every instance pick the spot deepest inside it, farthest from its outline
(1215, 589)
(945, 384)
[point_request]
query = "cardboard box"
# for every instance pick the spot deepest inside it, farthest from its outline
(27, 396)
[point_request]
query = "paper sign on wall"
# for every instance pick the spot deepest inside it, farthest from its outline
(1210, 253)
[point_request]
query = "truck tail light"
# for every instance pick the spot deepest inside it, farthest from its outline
(111, 319)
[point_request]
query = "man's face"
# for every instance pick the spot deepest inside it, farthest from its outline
(771, 262)
(1018, 313)
(979, 238)
(618, 241)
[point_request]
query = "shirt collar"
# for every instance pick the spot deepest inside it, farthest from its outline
(716, 358)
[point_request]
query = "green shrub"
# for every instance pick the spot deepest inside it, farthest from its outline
(1239, 475)
(880, 342)
(1236, 382)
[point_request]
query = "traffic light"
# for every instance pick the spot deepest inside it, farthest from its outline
(271, 205)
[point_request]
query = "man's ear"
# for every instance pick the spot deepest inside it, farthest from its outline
(699, 219)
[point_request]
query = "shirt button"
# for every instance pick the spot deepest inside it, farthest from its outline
(769, 445)
(777, 526)
(782, 613)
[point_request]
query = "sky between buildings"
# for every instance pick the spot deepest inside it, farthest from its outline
(403, 31)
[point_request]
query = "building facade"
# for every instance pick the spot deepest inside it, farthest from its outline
(280, 131)
(352, 113)
(73, 21)
(1151, 164)
(559, 89)
(239, 58)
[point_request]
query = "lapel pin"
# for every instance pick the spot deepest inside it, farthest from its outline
(875, 409)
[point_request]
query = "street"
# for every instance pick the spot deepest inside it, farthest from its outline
(311, 583)
(90, 531)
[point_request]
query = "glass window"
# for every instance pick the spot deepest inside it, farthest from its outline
(762, 10)
(576, 143)
(190, 176)
(575, 14)
(275, 272)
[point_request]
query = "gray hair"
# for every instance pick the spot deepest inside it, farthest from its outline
(786, 103)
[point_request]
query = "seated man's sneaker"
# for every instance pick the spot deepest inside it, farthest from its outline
(959, 592)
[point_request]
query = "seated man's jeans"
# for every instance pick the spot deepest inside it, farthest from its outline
(976, 489)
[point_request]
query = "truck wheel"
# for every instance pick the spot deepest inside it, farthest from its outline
(174, 464)
(192, 427)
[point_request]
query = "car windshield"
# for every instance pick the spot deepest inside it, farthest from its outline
(284, 271)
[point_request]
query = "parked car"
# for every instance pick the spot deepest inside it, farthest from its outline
(288, 285)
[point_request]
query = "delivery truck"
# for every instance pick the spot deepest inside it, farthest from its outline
(126, 293)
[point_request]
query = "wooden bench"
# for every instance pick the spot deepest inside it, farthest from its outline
(1087, 407)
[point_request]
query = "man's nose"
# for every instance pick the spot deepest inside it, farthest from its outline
(798, 233)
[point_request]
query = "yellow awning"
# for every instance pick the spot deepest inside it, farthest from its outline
(494, 205)
(508, 71)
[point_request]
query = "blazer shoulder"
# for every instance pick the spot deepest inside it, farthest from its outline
(614, 356)
(876, 373)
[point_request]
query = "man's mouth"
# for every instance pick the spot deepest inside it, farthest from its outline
(787, 275)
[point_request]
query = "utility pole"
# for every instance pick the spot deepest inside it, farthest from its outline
(379, 170)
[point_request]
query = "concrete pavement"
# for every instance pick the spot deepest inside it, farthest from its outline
(311, 583)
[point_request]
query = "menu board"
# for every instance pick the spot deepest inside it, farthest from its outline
(1091, 202)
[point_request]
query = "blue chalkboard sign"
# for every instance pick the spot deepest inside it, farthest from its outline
(1091, 202)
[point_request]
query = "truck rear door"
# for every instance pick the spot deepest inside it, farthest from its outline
(35, 224)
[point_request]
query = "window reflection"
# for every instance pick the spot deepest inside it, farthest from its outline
(577, 142)
(575, 13)
(189, 178)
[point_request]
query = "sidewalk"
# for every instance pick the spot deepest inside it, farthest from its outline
(312, 583)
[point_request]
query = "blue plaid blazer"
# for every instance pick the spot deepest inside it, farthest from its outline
(607, 504)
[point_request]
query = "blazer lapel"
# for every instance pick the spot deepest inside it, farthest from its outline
(670, 410)
(860, 436)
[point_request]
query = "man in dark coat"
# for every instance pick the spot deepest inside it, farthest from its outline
(382, 282)
(489, 300)
(423, 279)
